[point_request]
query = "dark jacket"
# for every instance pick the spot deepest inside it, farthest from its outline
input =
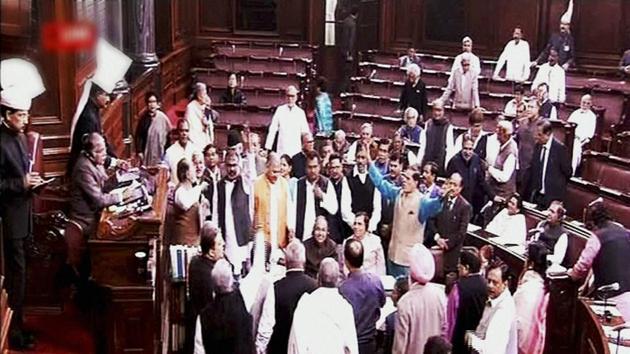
(474, 178)
(200, 282)
(238, 97)
(226, 326)
(15, 200)
(473, 294)
(88, 196)
(288, 292)
(452, 224)
(414, 96)
(299, 165)
(89, 122)
(557, 175)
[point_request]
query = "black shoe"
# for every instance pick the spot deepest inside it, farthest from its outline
(19, 341)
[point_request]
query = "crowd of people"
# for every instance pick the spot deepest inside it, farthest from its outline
(297, 234)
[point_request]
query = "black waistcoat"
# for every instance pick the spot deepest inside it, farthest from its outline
(335, 222)
(545, 109)
(611, 263)
(240, 210)
(362, 194)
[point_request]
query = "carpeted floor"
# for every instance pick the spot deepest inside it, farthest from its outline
(65, 333)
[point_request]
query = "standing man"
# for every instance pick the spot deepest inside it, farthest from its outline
(315, 196)
(299, 159)
(152, 132)
(342, 220)
(551, 167)
(562, 42)
(235, 209)
(467, 46)
(365, 139)
(288, 292)
(182, 148)
(211, 175)
(526, 143)
(89, 121)
(502, 173)
(414, 93)
(586, 122)
(364, 291)
(364, 197)
(463, 85)
(516, 56)
(553, 75)
(422, 311)
(438, 138)
(452, 222)
(16, 187)
(288, 123)
(349, 35)
(273, 209)
(547, 109)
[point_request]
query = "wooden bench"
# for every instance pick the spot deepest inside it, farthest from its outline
(581, 192)
(260, 63)
(606, 170)
(248, 79)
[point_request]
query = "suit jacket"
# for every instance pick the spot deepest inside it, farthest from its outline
(89, 195)
(288, 292)
(466, 94)
(558, 172)
(299, 165)
(414, 96)
(15, 200)
(89, 122)
(200, 282)
(474, 178)
(452, 224)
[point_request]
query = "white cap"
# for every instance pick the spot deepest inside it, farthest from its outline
(566, 17)
(15, 98)
(111, 65)
(21, 74)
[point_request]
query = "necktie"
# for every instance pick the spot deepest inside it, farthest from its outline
(542, 155)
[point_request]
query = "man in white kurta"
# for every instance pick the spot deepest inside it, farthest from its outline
(289, 122)
(553, 75)
(475, 63)
(201, 128)
(586, 122)
(516, 55)
(182, 148)
(324, 321)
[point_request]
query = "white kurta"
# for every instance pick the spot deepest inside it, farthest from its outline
(554, 76)
(174, 154)
(511, 229)
(289, 124)
(323, 323)
(329, 202)
(329, 31)
(475, 64)
(586, 122)
(517, 58)
(199, 135)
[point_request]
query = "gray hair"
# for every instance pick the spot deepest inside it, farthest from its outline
(411, 112)
(272, 159)
(467, 39)
(340, 134)
(466, 56)
(222, 277)
(295, 255)
(413, 69)
(328, 275)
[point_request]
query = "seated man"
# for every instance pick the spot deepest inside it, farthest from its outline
(586, 122)
(411, 131)
(410, 58)
(90, 184)
(552, 234)
(509, 223)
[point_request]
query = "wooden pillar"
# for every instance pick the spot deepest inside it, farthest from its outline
(140, 35)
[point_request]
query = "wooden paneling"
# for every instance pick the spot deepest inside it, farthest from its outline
(174, 78)
(215, 16)
(292, 19)
(15, 18)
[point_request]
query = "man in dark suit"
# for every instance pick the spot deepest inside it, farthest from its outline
(288, 292)
(349, 35)
(551, 167)
(16, 186)
(89, 122)
(468, 165)
(452, 222)
(299, 159)
(414, 93)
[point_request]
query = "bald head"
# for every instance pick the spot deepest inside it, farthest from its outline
(353, 254)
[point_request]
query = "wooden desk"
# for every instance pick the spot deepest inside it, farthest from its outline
(132, 292)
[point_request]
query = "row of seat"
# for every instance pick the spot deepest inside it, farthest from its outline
(581, 192)
(575, 77)
(606, 170)
(264, 64)
(248, 79)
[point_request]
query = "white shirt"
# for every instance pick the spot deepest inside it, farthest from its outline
(376, 200)
(586, 122)
(289, 124)
(544, 155)
(274, 191)
(373, 255)
(323, 322)
(501, 337)
(517, 57)
(475, 64)
(509, 228)
(329, 202)
(559, 249)
(346, 203)
(195, 116)
(509, 166)
(492, 149)
(554, 76)
(174, 154)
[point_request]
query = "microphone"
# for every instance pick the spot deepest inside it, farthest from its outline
(609, 287)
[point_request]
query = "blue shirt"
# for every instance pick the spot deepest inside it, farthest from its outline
(410, 133)
(364, 291)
